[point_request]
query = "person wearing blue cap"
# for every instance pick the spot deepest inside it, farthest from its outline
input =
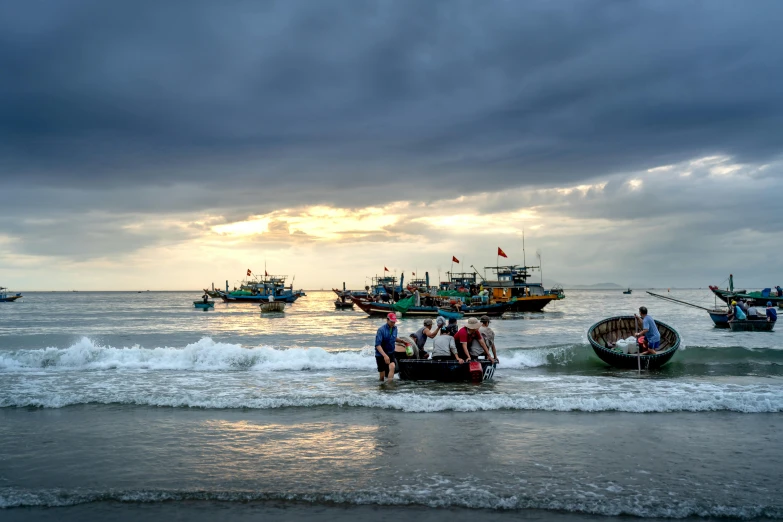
(772, 314)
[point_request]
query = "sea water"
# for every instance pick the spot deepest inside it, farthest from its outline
(129, 405)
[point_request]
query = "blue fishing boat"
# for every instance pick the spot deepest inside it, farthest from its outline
(260, 289)
(719, 316)
(6, 298)
(204, 304)
(450, 314)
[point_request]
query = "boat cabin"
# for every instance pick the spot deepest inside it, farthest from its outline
(512, 282)
(460, 282)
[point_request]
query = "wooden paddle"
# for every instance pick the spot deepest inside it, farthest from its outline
(638, 351)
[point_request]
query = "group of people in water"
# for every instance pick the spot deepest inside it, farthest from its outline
(743, 310)
(450, 343)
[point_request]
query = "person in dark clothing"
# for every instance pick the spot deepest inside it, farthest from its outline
(385, 341)
(772, 314)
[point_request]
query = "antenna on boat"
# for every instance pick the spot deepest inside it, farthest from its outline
(524, 262)
(540, 270)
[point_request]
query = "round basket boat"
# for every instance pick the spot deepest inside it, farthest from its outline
(614, 328)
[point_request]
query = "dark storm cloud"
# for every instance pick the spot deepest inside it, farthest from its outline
(318, 100)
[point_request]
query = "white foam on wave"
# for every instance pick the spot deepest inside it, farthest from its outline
(461, 494)
(204, 355)
(273, 393)
(208, 355)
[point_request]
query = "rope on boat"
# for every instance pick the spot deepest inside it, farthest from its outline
(667, 298)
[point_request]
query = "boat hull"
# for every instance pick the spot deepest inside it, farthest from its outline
(448, 314)
(202, 304)
(720, 318)
(622, 327)
(754, 300)
(10, 299)
(257, 298)
(343, 305)
(533, 303)
(751, 325)
(443, 371)
(373, 308)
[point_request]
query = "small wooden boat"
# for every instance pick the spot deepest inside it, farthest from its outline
(720, 317)
(450, 314)
(343, 304)
(446, 371)
(274, 306)
(751, 325)
(628, 292)
(202, 304)
(604, 334)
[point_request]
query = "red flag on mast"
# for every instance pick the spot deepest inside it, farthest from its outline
(454, 259)
(248, 271)
(501, 253)
(265, 273)
(414, 273)
(385, 269)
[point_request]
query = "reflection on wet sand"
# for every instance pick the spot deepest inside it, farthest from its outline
(240, 450)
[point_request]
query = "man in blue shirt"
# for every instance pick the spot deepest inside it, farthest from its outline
(772, 314)
(649, 331)
(385, 339)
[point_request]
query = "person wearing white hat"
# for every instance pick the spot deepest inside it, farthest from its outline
(465, 337)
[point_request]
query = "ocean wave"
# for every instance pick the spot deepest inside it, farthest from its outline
(641, 396)
(644, 505)
(208, 355)
(204, 355)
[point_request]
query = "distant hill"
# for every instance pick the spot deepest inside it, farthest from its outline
(596, 286)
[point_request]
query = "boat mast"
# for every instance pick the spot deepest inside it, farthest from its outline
(524, 262)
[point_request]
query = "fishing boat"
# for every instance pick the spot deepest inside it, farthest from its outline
(260, 289)
(378, 308)
(719, 316)
(446, 371)
(628, 292)
(751, 325)
(512, 286)
(6, 298)
(204, 305)
(603, 336)
(450, 314)
(760, 298)
(344, 299)
(273, 306)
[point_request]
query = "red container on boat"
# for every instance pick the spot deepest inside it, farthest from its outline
(476, 371)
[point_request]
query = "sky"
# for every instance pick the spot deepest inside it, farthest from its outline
(170, 145)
